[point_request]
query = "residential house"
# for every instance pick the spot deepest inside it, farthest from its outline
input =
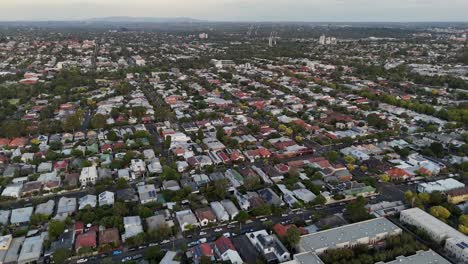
(269, 246)
(226, 251)
(147, 193)
(88, 175)
(205, 216)
(133, 227)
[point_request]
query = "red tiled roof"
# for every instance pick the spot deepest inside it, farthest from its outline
(223, 244)
(397, 173)
(86, 240)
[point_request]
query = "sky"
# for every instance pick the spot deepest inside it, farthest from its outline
(240, 10)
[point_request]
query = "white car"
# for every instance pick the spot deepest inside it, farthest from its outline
(227, 234)
(202, 240)
(83, 260)
(202, 233)
(263, 219)
(194, 243)
(218, 230)
(126, 259)
(165, 241)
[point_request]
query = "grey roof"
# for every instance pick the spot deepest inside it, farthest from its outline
(46, 208)
(4, 216)
(230, 207)
(66, 205)
(421, 257)
(330, 238)
(88, 199)
(31, 249)
(269, 196)
(13, 252)
(307, 258)
(147, 193)
(21, 215)
(156, 221)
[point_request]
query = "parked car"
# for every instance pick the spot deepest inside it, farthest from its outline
(116, 252)
(126, 259)
(83, 260)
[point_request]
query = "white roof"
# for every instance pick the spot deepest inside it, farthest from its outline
(331, 237)
(441, 185)
(429, 222)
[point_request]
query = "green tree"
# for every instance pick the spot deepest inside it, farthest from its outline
(73, 122)
(293, 235)
(440, 212)
(242, 216)
(356, 211)
(61, 255)
(56, 228)
(332, 156)
(98, 121)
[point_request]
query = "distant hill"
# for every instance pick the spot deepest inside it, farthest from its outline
(126, 19)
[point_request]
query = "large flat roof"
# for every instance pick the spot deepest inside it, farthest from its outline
(330, 238)
(421, 257)
(431, 223)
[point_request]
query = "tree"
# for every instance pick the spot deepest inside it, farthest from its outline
(424, 197)
(138, 112)
(440, 212)
(437, 148)
(61, 255)
(167, 142)
(332, 156)
(437, 198)
(463, 224)
(37, 219)
(262, 210)
(293, 235)
(242, 216)
(356, 211)
(319, 200)
(121, 183)
(205, 260)
(98, 121)
(385, 178)
(153, 254)
(73, 122)
(56, 228)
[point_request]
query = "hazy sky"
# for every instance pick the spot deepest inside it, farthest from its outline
(230, 10)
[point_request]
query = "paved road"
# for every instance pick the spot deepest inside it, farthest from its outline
(213, 233)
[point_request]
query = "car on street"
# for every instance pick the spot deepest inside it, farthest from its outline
(218, 230)
(83, 260)
(126, 259)
(116, 252)
(202, 233)
(137, 256)
(263, 219)
(165, 241)
(202, 240)
(194, 243)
